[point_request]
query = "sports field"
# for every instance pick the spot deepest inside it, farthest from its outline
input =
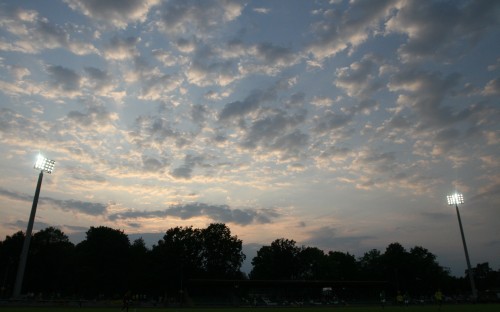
(428, 308)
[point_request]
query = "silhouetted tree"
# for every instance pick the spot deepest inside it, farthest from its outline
(51, 264)
(341, 266)
(370, 266)
(486, 278)
(425, 274)
(140, 273)
(186, 252)
(222, 254)
(106, 265)
(103, 262)
(278, 261)
(312, 263)
(395, 265)
(176, 258)
(10, 249)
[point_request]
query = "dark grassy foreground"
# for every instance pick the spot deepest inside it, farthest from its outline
(444, 308)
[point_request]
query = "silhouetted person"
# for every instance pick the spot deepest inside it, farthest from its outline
(438, 296)
(399, 298)
(126, 301)
(406, 298)
(382, 299)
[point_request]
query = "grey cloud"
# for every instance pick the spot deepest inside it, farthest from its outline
(331, 120)
(335, 151)
(122, 48)
(399, 121)
(365, 106)
(439, 35)
(185, 17)
(273, 54)
(381, 163)
(25, 129)
(336, 32)
(185, 171)
(296, 99)
(116, 12)
(426, 92)
(99, 79)
(278, 131)
(64, 79)
(93, 209)
(435, 216)
(185, 45)
(380, 157)
(358, 79)
(252, 102)
(154, 86)
(97, 74)
(447, 134)
(199, 114)
(327, 238)
(95, 115)
(15, 195)
(239, 108)
(491, 194)
(83, 175)
(134, 225)
(266, 129)
(152, 164)
(218, 213)
(291, 143)
(89, 208)
(182, 172)
(152, 130)
(23, 225)
(33, 33)
(51, 34)
(205, 73)
(76, 228)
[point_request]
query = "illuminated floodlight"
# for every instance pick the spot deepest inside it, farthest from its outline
(455, 199)
(44, 164)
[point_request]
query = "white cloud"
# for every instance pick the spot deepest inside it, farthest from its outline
(118, 13)
(337, 31)
(32, 34)
(492, 87)
(180, 17)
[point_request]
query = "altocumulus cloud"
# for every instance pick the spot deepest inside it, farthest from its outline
(218, 213)
(93, 209)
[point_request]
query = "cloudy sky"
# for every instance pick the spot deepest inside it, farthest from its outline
(339, 124)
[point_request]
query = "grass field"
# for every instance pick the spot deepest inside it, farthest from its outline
(428, 308)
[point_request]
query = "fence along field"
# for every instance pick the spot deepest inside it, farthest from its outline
(426, 308)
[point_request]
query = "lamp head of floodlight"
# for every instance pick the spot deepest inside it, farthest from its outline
(44, 164)
(455, 199)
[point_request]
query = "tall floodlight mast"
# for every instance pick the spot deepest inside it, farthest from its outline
(44, 165)
(454, 200)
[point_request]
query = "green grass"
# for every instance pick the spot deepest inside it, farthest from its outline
(428, 308)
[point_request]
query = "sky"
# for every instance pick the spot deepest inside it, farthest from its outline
(342, 125)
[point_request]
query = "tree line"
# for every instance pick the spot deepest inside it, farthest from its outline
(106, 264)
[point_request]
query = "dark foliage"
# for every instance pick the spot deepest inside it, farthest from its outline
(107, 265)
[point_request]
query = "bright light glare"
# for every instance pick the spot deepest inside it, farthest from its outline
(455, 199)
(44, 164)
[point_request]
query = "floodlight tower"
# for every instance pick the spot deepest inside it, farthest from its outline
(44, 165)
(456, 199)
